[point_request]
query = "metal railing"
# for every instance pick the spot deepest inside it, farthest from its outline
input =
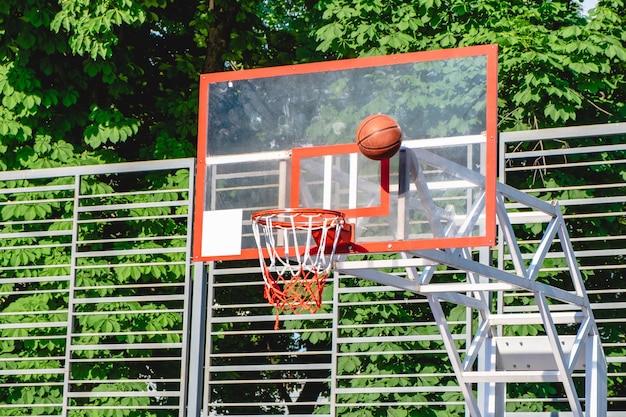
(95, 289)
(583, 168)
(375, 346)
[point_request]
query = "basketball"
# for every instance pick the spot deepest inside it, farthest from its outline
(379, 137)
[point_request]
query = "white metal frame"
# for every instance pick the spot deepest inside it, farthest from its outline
(548, 361)
(487, 343)
(80, 208)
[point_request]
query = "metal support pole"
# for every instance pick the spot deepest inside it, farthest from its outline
(595, 379)
(545, 358)
(197, 341)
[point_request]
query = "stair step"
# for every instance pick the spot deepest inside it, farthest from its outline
(511, 376)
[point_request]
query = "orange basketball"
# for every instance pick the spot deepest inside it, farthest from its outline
(379, 137)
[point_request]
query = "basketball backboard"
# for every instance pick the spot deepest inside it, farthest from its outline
(284, 137)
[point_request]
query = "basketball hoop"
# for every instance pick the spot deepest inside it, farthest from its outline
(296, 251)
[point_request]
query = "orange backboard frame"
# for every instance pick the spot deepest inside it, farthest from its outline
(296, 154)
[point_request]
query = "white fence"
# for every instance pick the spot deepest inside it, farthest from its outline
(96, 319)
(95, 289)
(374, 350)
(584, 168)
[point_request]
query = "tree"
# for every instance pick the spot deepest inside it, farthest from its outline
(102, 81)
(89, 82)
(556, 66)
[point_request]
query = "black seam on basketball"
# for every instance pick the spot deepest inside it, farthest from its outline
(376, 132)
(393, 145)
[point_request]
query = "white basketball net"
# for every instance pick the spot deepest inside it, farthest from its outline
(295, 264)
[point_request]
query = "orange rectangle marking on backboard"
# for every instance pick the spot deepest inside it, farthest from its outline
(298, 154)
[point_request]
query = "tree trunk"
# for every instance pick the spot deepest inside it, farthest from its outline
(225, 14)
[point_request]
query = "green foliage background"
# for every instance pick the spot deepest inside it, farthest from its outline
(90, 82)
(100, 81)
(93, 281)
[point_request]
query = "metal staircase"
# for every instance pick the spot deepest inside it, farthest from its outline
(567, 344)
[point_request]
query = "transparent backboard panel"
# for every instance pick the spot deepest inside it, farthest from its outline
(255, 126)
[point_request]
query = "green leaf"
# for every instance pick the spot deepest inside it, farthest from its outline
(571, 31)
(552, 112)
(584, 67)
(10, 101)
(8, 212)
(330, 32)
(396, 412)
(523, 96)
(62, 151)
(69, 98)
(348, 364)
